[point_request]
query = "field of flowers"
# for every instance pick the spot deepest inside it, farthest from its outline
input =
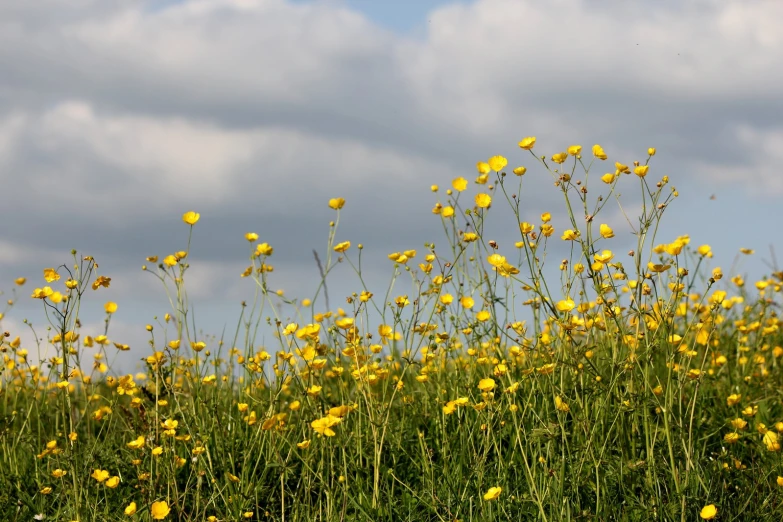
(641, 385)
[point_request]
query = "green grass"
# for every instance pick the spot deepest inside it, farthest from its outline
(603, 392)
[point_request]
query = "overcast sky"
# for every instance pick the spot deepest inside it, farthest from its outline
(116, 116)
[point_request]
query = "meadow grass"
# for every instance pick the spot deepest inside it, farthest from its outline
(624, 386)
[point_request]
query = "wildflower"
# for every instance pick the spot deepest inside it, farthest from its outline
(130, 509)
(771, 441)
(733, 399)
(493, 493)
(137, 443)
(560, 157)
(59, 473)
(483, 200)
(574, 150)
(483, 168)
(100, 475)
(486, 385)
(527, 143)
(520, 171)
(113, 482)
(641, 170)
(159, 510)
(459, 184)
(708, 512)
(598, 152)
(336, 203)
(191, 218)
(342, 247)
(561, 405)
(110, 307)
(606, 231)
(324, 425)
(565, 305)
(496, 163)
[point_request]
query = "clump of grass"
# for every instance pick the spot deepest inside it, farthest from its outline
(621, 387)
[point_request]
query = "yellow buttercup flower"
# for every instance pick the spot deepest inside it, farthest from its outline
(493, 493)
(459, 184)
(483, 200)
(159, 510)
(191, 218)
(497, 163)
(486, 385)
(708, 512)
(527, 143)
(336, 203)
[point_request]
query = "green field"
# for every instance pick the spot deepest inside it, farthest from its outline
(500, 384)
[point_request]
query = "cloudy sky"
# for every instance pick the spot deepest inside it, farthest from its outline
(116, 116)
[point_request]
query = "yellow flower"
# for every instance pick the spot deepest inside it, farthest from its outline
(493, 493)
(520, 171)
(733, 399)
(496, 163)
(606, 231)
(641, 170)
(159, 510)
(486, 385)
(604, 257)
(46, 490)
(130, 509)
(100, 475)
(561, 405)
(342, 247)
(263, 249)
(51, 275)
(738, 423)
(324, 425)
(138, 443)
(780, 481)
(483, 168)
(731, 438)
(336, 203)
(560, 157)
(771, 441)
(569, 235)
(608, 178)
(598, 152)
(459, 184)
(191, 218)
(483, 200)
(574, 150)
(59, 473)
(467, 302)
(304, 444)
(110, 307)
(527, 143)
(496, 260)
(565, 305)
(651, 151)
(113, 482)
(708, 512)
